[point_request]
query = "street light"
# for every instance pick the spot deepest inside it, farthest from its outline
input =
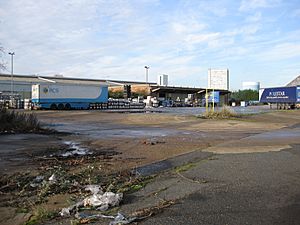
(147, 68)
(12, 73)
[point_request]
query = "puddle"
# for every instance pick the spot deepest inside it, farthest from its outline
(104, 131)
(73, 149)
(201, 110)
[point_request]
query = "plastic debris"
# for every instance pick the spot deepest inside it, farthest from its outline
(67, 211)
(37, 181)
(95, 189)
(99, 200)
(52, 179)
(121, 219)
(103, 201)
(118, 219)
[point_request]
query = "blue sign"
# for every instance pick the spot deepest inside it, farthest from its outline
(214, 96)
(277, 95)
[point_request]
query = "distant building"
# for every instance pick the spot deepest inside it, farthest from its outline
(218, 79)
(162, 80)
(250, 85)
(295, 82)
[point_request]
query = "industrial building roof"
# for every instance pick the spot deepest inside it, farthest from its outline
(61, 79)
(295, 82)
(183, 89)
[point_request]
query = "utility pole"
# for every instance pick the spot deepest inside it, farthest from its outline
(147, 68)
(12, 73)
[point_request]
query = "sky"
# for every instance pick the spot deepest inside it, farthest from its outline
(257, 40)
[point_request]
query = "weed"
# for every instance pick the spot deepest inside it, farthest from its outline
(185, 167)
(40, 214)
(12, 122)
(225, 113)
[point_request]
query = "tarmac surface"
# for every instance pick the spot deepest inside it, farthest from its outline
(246, 188)
(237, 171)
(256, 188)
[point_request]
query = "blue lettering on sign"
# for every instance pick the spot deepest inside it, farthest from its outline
(53, 90)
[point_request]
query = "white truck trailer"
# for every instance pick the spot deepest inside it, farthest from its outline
(68, 96)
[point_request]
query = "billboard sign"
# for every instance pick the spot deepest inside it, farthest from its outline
(279, 95)
(214, 96)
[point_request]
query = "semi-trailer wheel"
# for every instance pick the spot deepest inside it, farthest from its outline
(53, 106)
(60, 106)
(68, 106)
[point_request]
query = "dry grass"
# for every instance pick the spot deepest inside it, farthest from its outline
(225, 113)
(16, 122)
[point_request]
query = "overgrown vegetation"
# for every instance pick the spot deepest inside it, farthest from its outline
(225, 113)
(17, 122)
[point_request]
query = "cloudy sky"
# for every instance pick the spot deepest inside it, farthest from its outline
(257, 40)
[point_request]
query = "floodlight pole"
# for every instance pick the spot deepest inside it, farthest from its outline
(147, 68)
(12, 73)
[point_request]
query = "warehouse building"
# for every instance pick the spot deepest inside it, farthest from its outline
(21, 85)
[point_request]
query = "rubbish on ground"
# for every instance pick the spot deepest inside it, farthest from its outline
(118, 219)
(37, 181)
(67, 211)
(121, 219)
(101, 201)
(52, 179)
(95, 189)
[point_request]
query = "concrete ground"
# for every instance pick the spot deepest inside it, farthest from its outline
(233, 188)
(240, 171)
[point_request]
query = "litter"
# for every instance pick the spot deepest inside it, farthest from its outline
(52, 179)
(103, 201)
(121, 219)
(37, 181)
(118, 219)
(99, 200)
(95, 189)
(67, 211)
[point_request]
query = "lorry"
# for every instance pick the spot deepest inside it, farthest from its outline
(68, 96)
(283, 97)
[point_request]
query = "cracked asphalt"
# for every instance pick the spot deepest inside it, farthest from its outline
(252, 188)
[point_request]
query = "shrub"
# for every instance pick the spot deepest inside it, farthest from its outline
(225, 113)
(12, 122)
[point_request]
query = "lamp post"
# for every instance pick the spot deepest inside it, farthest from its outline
(12, 73)
(147, 68)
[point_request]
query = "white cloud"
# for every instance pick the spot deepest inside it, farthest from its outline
(247, 5)
(199, 38)
(281, 52)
